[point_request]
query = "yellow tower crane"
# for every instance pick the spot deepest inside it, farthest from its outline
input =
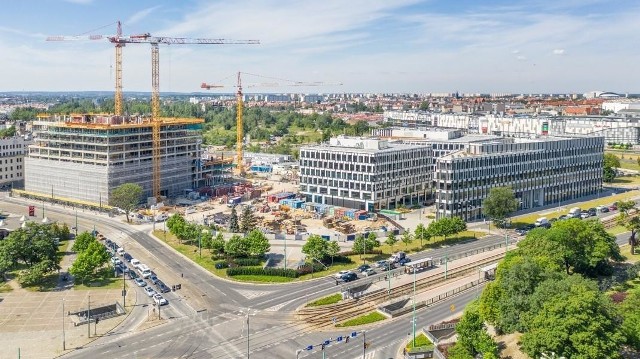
(240, 167)
(120, 41)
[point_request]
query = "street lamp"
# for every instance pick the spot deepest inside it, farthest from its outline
(413, 345)
(64, 344)
(204, 231)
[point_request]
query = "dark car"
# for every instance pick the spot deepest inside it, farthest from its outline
(153, 278)
(563, 217)
(529, 227)
(132, 274)
(348, 277)
(127, 257)
(521, 231)
(363, 268)
(604, 210)
(592, 211)
(404, 261)
(107, 242)
(162, 288)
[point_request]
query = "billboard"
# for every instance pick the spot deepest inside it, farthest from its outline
(545, 128)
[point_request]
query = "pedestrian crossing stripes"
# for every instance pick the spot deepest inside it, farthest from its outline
(250, 294)
(371, 354)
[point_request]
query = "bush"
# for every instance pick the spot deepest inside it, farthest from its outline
(247, 262)
(277, 272)
(338, 259)
(307, 268)
(221, 265)
(351, 253)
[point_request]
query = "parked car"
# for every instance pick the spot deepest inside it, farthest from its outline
(159, 299)
(132, 274)
(584, 215)
(140, 282)
(563, 217)
(363, 268)
(162, 288)
(613, 207)
(592, 211)
(369, 272)
(127, 257)
(348, 277)
(149, 291)
(341, 273)
(381, 264)
(604, 209)
(521, 231)
(116, 261)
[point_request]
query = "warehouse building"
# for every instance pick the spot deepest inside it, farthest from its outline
(84, 157)
(365, 173)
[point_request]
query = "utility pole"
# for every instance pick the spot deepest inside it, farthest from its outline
(89, 318)
(248, 330)
(285, 250)
(124, 289)
(64, 344)
(76, 222)
(413, 345)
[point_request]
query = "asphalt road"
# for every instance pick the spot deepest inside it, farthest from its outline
(214, 324)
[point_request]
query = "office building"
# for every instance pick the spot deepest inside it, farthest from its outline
(12, 151)
(365, 173)
(541, 171)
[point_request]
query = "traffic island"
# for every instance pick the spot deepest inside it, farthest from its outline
(362, 320)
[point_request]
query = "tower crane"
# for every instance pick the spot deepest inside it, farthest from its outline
(120, 41)
(240, 170)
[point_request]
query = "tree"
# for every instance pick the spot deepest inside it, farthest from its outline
(37, 273)
(233, 221)
(575, 320)
(126, 197)
(472, 337)
(236, 246)
(333, 249)
(248, 222)
(499, 204)
(422, 233)
(391, 240)
(610, 163)
(631, 319)
(82, 242)
(31, 245)
(316, 247)
(89, 261)
(257, 243)
(407, 238)
(629, 222)
(217, 245)
(445, 227)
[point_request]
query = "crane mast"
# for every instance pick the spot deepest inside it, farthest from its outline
(239, 130)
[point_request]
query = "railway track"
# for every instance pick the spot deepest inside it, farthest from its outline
(325, 316)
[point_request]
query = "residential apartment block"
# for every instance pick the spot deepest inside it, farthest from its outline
(84, 157)
(12, 151)
(365, 173)
(541, 171)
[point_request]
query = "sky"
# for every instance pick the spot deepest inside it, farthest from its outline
(371, 46)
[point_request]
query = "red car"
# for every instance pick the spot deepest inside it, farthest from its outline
(613, 207)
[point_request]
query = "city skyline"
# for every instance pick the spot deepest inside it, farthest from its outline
(369, 46)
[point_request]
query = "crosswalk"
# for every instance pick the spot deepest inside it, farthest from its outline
(371, 354)
(250, 294)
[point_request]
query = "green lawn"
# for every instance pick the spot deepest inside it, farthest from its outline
(626, 180)
(331, 299)
(626, 251)
(617, 230)
(630, 160)
(422, 344)
(554, 212)
(191, 252)
(5, 287)
(364, 319)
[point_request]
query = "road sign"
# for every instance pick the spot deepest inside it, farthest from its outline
(339, 339)
(353, 334)
(453, 307)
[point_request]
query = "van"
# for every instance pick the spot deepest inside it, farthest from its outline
(135, 263)
(575, 212)
(397, 257)
(144, 271)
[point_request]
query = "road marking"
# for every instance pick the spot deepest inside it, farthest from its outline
(250, 294)
(277, 307)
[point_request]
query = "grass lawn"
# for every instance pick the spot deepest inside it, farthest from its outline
(626, 251)
(630, 160)
(422, 344)
(364, 319)
(626, 180)
(262, 278)
(554, 213)
(103, 283)
(191, 252)
(617, 230)
(331, 299)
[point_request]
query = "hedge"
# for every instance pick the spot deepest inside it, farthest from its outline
(351, 253)
(337, 259)
(306, 268)
(247, 262)
(278, 272)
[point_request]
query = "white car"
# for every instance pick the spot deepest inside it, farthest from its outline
(584, 215)
(116, 261)
(341, 273)
(159, 299)
(149, 291)
(140, 282)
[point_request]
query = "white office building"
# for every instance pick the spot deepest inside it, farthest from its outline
(365, 173)
(541, 171)
(12, 152)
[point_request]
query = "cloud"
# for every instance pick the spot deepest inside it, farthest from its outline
(558, 51)
(140, 15)
(521, 58)
(82, 2)
(515, 52)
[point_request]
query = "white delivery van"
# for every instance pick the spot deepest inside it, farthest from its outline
(120, 251)
(145, 272)
(542, 222)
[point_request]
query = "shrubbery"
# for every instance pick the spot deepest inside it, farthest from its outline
(247, 262)
(278, 272)
(351, 253)
(307, 268)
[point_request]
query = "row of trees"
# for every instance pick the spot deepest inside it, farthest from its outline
(443, 227)
(246, 223)
(545, 290)
(91, 259)
(33, 248)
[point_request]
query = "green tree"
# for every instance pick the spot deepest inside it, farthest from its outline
(333, 249)
(233, 221)
(575, 320)
(631, 319)
(632, 223)
(407, 238)
(31, 245)
(248, 222)
(422, 233)
(82, 241)
(473, 339)
(445, 227)
(89, 262)
(236, 246)
(499, 205)
(610, 163)
(315, 247)
(391, 240)
(37, 273)
(126, 197)
(257, 243)
(217, 245)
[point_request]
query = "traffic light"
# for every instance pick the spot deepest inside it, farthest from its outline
(366, 345)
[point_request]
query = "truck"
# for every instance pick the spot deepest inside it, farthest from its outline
(234, 201)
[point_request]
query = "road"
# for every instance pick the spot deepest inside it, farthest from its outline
(211, 322)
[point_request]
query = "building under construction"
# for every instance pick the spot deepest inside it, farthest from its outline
(82, 158)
